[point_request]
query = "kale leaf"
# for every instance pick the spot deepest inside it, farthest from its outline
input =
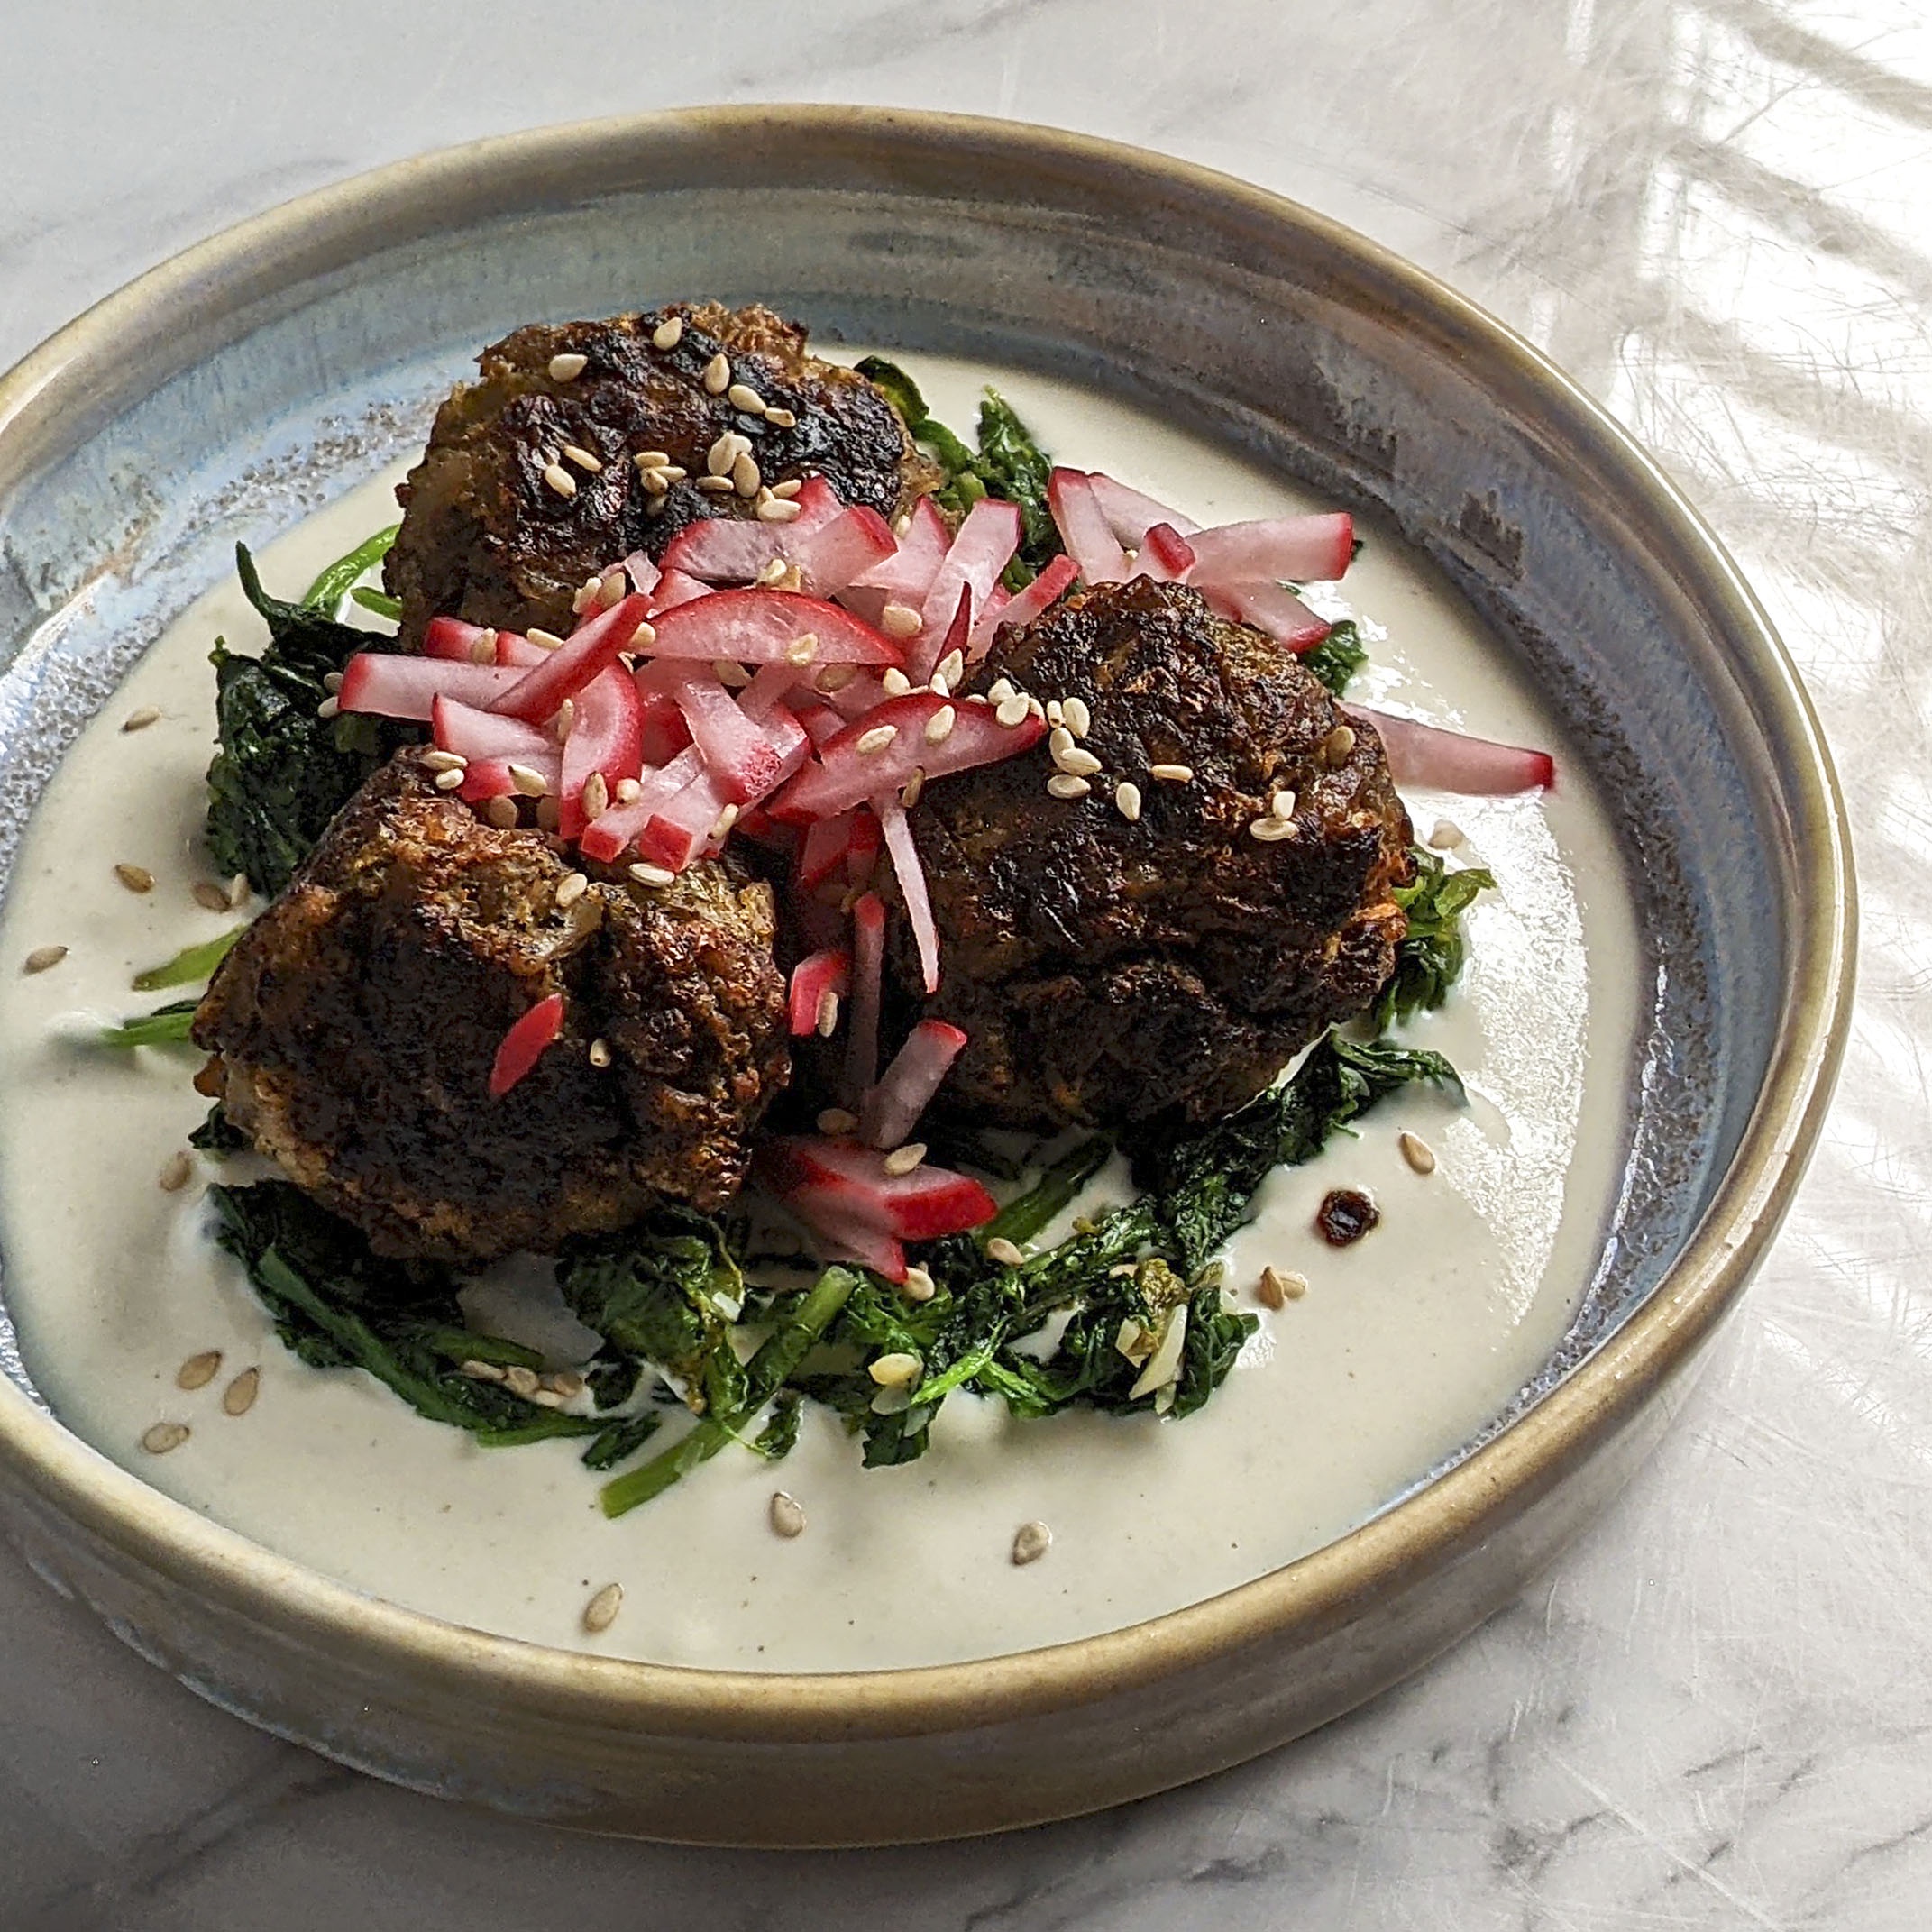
(1008, 463)
(338, 1305)
(166, 1026)
(1429, 960)
(191, 966)
(283, 771)
(1338, 658)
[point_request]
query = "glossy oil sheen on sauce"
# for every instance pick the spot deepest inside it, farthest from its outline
(1404, 1346)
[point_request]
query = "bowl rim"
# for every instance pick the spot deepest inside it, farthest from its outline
(1426, 1532)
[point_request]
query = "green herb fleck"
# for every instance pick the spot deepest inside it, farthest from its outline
(166, 1026)
(1338, 658)
(340, 579)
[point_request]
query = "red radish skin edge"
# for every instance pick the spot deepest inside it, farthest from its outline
(523, 1046)
(904, 1090)
(812, 978)
(1453, 761)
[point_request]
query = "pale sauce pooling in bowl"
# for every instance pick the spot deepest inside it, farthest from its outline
(1404, 1346)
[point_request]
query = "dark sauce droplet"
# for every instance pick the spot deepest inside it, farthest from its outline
(1346, 1215)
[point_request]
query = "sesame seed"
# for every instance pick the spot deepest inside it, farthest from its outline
(1057, 717)
(742, 396)
(332, 680)
(899, 621)
(744, 474)
(564, 1382)
(1014, 711)
(1075, 716)
(938, 686)
(895, 682)
(827, 1018)
(560, 726)
(1005, 1252)
(780, 418)
(136, 878)
(875, 740)
(591, 464)
(643, 637)
(1059, 739)
(175, 1171)
(1447, 836)
(601, 1611)
(918, 1286)
(801, 651)
(629, 790)
(901, 525)
(1282, 805)
(599, 1053)
(772, 572)
(483, 648)
(560, 479)
(1127, 801)
(651, 459)
(238, 890)
(479, 1372)
(648, 874)
(329, 707)
(1337, 746)
(1417, 1152)
(717, 374)
(777, 509)
(1076, 762)
(722, 454)
(43, 957)
(1066, 786)
(140, 720)
(571, 888)
(1000, 689)
(902, 1160)
(531, 784)
(673, 473)
(952, 668)
(1035, 709)
(732, 676)
(611, 590)
(1267, 1291)
(656, 483)
(1271, 831)
(715, 486)
(1032, 1542)
(239, 1397)
(209, 896)
(545, 640)
(501, 812)
(519, 1380)
(836, 1120)
(909, 793)
(789, 488)
(668, 334)
(164, 1436)
(199, 1371)
(1172, 774)
(584, 595)
(788, 1519)
(895, 1369)
(596, 795)
(834, 677)
(450, 781)
(445, 761)
(721, 824)
(567, 367)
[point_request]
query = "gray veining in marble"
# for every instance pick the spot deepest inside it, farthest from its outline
(1718, 215)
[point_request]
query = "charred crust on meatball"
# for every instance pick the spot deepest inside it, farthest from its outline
(1116, 974)
(488, 537)
(354, 1025)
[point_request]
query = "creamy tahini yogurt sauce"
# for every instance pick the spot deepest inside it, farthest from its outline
(1404, 1346)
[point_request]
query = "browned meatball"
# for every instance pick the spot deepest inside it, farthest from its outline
(355, 1024)
(486, 534)
(1112, 972)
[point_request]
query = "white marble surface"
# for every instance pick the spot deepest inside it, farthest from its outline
(1717, 1712)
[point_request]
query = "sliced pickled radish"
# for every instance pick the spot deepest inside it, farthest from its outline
(868, 974)
(762, 627)
(393, 686)
(911, 877)
(1130, 513)
(540, 692)
(1301, 549)
(814, 978)
(1045, 590)
(903, 1091)
(1083, 527)
(1452, 761)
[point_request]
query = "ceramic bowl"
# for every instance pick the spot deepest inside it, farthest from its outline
(265, 372)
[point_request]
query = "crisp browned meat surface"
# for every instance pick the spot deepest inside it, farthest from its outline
(484, 536)
(1111, 973)
(355, 1024)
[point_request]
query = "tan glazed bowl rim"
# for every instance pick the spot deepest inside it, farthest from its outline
(85, 369)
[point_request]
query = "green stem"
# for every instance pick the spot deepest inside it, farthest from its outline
(1026, 1214)
(166, 1026)
(192, 965)
(765, 1374)
(327, 592)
